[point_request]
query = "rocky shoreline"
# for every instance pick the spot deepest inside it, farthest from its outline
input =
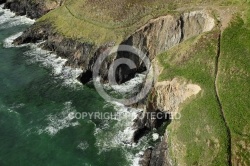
(167, 31)
(31, 8)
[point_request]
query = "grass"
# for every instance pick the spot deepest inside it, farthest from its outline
(199, 137)
(234, 87)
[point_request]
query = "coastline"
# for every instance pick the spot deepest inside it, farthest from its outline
(75, 58)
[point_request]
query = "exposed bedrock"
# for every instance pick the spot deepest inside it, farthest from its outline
(163, 105)
(31, 8)
(165, 99)
(162, 33)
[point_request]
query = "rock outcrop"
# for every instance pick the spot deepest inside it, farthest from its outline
(163, 105)
(168, 95)
(31, 8)
(162, 33)
(156, 156)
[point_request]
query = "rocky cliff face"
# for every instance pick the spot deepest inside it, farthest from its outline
(163, 105)
(168, 95)
(165, 32)
(31, 8)
(156, 156)
(160, 34)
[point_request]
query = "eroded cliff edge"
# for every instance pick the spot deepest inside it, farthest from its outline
(157, 36)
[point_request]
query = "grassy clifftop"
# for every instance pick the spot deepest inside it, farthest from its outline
(214, 128)
(111, 20)
(199, 137)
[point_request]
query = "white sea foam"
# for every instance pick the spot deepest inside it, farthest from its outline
(135, 159)
(83, 145)
(130, 87)
(8, 42)
(155, 136)
(60, 121)
(57, 64)
(121, 133)
(9, 19)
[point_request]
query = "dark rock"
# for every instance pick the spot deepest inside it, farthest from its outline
(158, 156)
(145, 159)
(79, 55)
(31, 8)
(147, 121)
(2, 1)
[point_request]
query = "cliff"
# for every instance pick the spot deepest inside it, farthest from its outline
(167, 31)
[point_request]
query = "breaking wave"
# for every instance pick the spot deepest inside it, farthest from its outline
(60, 121)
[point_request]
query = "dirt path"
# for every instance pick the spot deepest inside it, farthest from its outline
(229, 150)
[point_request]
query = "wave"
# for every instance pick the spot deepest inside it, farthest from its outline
(9, 19)
(8, 42)
(60, 121)
(130, 87)
(120, 134)
(50, 60)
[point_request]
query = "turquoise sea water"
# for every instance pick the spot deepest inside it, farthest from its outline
(37, 94)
